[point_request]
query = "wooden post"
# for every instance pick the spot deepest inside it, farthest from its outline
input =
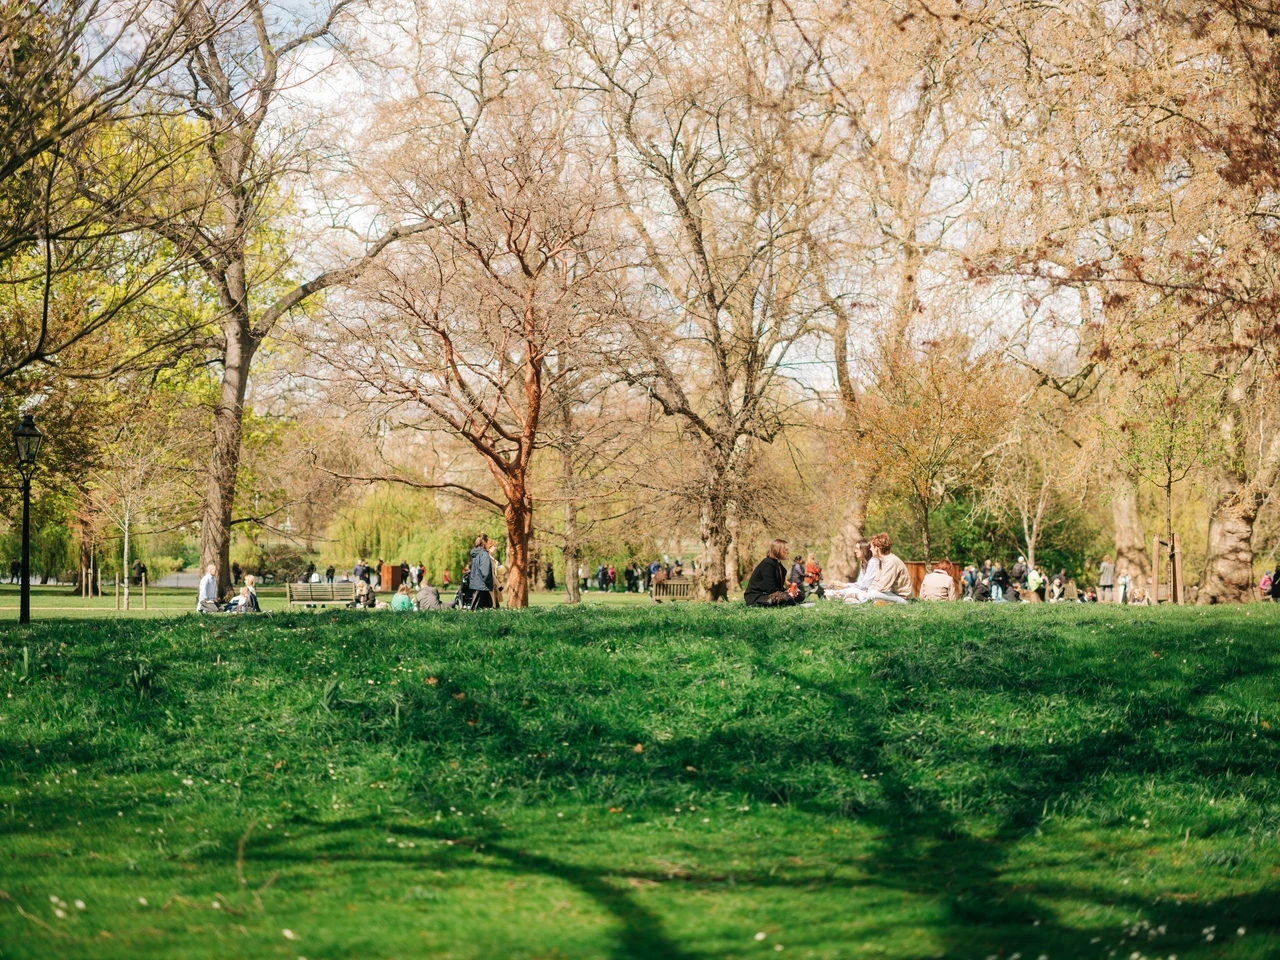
(1155, 570)
(144, 591)
(117, 591)
(1177, 569)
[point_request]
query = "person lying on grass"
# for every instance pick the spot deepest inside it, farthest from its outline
(768, 584)
(892, 583)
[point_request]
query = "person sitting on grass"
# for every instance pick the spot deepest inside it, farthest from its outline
(207, 598)
(768, 584)
(364, 595)
(938, 585)
(247, 601)
(428, 597)
(795, 578)
(868, 567)
(402, 601)
(893, 582)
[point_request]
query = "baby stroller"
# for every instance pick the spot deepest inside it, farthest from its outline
(462, 599)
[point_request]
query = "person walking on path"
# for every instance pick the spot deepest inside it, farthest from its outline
(768, 584)
(1107, 581)
(207, 598)
(328, 573)
(480, 578)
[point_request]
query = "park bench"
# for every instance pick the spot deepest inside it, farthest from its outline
(674, 588)
(320, 594)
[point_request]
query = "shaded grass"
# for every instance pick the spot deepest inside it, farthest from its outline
(62, 602)
(953, 781)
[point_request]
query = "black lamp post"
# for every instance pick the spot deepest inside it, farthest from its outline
(28, 439)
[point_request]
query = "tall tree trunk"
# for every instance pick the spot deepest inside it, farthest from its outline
(713, 531)
(1238, 497)
(924, 530)
(1228, 566)
(224, 462)
(127, 525)
(572, 550)
(844, 562)
(732, 576)
(518, 515)
(1131, 552)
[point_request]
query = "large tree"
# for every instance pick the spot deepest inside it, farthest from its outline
(471, 328)
(227, 212)
(717, 158)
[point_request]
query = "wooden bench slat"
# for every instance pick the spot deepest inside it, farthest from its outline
(319, 593)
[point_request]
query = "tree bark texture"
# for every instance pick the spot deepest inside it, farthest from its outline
(1131, 553)
(224, 459)
(844, 562)
(518, 515)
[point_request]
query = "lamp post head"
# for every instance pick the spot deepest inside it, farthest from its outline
(28, 439)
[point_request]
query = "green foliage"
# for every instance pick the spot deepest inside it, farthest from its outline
(648, 782)
(966, 535)
(398, 523)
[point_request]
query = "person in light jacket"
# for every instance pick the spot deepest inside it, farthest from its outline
(868, 569)
(1107, 581)
(480, 579)
(893, 582)
(207, 598)
(938, 585)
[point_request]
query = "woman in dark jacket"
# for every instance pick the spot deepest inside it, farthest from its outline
(768, 584)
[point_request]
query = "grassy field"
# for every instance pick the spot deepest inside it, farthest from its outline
(644, 782)
(62, 602)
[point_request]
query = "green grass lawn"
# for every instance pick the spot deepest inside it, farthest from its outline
(63, 602)
(643, 782)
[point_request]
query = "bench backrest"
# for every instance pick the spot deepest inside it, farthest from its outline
(674, 587)
(320, 591)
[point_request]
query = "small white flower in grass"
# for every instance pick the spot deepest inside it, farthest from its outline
(142, 901)
(778, 946)
(1239, 930)
(187, 782)
(761, 935)
(53, 898)
(215, 904)
(80, 906)
(59, 913)
(289, 934)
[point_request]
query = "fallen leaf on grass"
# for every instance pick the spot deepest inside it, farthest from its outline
(640, 883)
(639, 748)
(432, 681)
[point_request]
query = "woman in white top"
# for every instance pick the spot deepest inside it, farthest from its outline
(869, 566)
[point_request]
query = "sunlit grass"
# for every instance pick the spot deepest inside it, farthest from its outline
(658, 781)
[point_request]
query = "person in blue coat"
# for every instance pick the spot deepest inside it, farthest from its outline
(480, 578)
